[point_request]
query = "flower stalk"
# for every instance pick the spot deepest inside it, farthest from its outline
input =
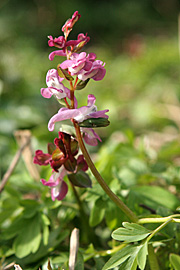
(100, 180)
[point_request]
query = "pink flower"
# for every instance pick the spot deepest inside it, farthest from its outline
(61, 157)
(58, 186)
(85, 67)
(57, 42)
(55, 87)
(90, 136)
(81, 114)
(60, 153)
(41, 158)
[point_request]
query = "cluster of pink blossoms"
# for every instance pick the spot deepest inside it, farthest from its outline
(79, 67)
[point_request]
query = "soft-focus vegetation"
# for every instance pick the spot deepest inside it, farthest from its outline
(139, 156)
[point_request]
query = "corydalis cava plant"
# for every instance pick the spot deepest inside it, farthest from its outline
(77, 70)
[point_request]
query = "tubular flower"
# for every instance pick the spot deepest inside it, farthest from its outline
(60, 153)
(55, 87)
(90, 136)
(81, 114)
(57, 42)
(58, 186)
(85, 66)
(61, 157)
(85, 112)
(60, 42)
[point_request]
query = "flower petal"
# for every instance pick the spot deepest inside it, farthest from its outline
(46, 93)
(99, 114)
(60, 191)
(63, 114)
(58, 52)
(90, 136)
(51, 182)
(41, 159)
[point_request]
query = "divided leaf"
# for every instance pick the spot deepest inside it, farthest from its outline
(128, 258)
(130, 233)
(29, 238)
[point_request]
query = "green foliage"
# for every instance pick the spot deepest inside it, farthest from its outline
(175, 261)
(130, 233)
(139, 156)
(129, 258)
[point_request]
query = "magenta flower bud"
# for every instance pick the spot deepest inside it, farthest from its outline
(81, 163)
(57, 42)
(41, 159)
(67, 27)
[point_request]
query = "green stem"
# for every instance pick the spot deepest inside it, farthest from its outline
(152, 256)
(159, 228)
(100, 180)
(105, 252)
(153, 262)
(160, 220)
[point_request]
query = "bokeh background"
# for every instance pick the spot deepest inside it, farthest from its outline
(138, 41)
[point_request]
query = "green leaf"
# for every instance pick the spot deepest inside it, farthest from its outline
(82, 84)
(175, 261)
(152, 196)
(130, 264)
(80, 179)
(15, 228)
(119, 257)
(30, 208)
(94, 122)
(45, 223)
(97, 212)
(128, 258)
(29, 238)
(130, 233)
(113, 216)
(64, 74)
(142, 256)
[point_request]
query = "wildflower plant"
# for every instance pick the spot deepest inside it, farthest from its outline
(70, 161)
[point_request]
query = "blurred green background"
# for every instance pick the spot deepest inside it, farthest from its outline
(138, 41)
